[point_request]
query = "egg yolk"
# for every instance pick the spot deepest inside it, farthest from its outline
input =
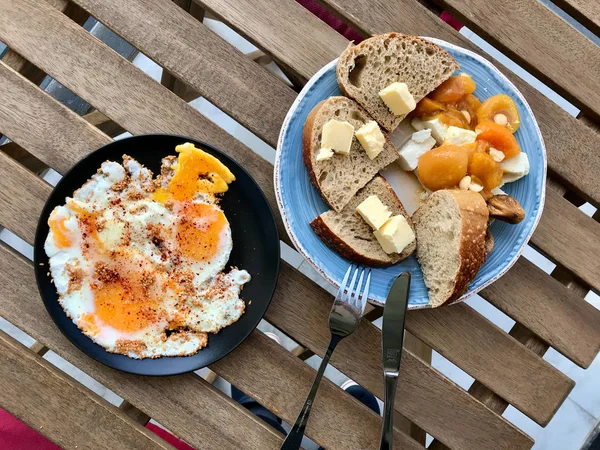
(59, 230)
(195, 171)
(199, 230)
(87, 322)
(121, 307)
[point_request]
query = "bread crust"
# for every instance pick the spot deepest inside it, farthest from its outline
(350, 53)
(340, 246)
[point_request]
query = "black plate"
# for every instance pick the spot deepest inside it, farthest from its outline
(255, 248)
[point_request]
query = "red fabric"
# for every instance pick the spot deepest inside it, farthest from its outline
(15, 435)
(453, 22)
(177, 443)
(331, 20)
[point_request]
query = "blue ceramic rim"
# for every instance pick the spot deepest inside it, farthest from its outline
(302, 250)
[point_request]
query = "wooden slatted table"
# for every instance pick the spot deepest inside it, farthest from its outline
(45, 37)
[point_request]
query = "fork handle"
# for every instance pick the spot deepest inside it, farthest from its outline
(294, 437)
(391, 381)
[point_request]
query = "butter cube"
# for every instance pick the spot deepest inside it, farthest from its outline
(398, 98)
(373, 211)
(371, 138)
(395, 235)
(324, 153)
(459, 136)
(337, 135)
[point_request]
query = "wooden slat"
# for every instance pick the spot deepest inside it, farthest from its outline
(531, 384)
(587, 12)
(57, 406)
(185, 404)
(271, 374)
(18, 153)
(561, 318)
(569, 142)
(423, 397)
(247, 92)
(409, 19)
(571, 237)
(494, 427)
(104, 124)
(539, 40)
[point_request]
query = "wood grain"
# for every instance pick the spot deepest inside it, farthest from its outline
(132, 118)
(540, 41)
(219, 72)
(18, 153)
(431, 402)
(103, 123)
(530, 384)
(185, 404)
(55, 405)
(587, 12)
(569, 142)
(560, 317)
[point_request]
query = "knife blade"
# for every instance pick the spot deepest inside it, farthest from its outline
(394, 314)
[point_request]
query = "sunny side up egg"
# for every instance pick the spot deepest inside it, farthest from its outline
(138, 261)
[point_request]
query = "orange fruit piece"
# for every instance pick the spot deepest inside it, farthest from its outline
(443, 167)
(469, 104)
(498, 137)
(483, 167)
(450, 117)
(476, 147)
(502, 110)
(428, 106)
(453, 89)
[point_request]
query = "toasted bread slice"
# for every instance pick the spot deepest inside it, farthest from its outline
(350, 236)
(365, 69)
(339, 178)
(451, 231)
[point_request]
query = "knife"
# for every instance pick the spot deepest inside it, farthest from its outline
(394, 314)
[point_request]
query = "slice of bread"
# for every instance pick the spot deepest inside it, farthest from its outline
(451, 227)
(351, 237)
(339, 178)
(365, 69)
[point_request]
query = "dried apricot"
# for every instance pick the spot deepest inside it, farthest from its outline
(476, 147)
(498, 137)
(502, 110)
(468, 106)
(483, 167)
(443, 167)
(450, 117)
(453, 89)
(428, 106)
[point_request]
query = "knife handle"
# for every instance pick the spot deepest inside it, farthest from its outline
(391, 381)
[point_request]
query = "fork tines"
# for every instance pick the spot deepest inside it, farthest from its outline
(353, 294)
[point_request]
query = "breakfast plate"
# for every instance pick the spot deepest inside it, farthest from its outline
(299, 202)
(255, 248)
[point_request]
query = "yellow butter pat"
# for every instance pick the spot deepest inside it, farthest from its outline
(371, 138)
(373, 211)
(337, 135)
(324, 153)
(398, 98)
(395, 234)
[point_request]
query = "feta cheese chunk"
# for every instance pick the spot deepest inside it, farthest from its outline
(324, 153)
(412, 151)
(398, 98)
(438, 129)
(421, 136)
(394, 235)
(459, 136)
(373, 211)
(515, 167)
(371, 138)
(337, 135)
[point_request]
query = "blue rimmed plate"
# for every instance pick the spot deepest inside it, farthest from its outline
(300, 203)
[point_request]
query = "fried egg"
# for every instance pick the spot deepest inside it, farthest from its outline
(138, 262)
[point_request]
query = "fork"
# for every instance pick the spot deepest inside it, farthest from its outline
(344, 318)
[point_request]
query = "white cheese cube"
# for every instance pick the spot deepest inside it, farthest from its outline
(459, 136)
(412, 151)
(395, 235)
(398, 98)
(515, 167)
(337, 135)
(420, 136)
(324, 153)
(371, 138)
(373, 211)
(438, 129)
